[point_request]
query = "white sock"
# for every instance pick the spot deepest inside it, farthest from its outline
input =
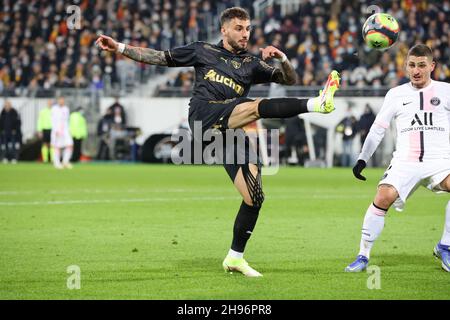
(310, 104)
(57, 157)
(67, 154)
(372, 227)
(446, 236)
(235, 254)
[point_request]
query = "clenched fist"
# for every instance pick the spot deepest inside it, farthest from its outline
(106, 43)
(271, 52)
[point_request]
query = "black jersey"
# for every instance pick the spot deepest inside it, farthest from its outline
(220, 74)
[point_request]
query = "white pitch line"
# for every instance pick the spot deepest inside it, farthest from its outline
(137, 200)
(95, 201)
(90, 191)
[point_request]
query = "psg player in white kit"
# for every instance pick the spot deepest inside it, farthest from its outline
(60, 136)
(421, 109)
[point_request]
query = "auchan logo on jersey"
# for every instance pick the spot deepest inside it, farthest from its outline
(213, 76)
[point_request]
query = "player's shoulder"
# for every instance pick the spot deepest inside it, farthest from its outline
(208, 46)
(399, 90)
(441, 84)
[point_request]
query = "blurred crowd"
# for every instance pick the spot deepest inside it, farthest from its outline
(40, 51)
(325, 35)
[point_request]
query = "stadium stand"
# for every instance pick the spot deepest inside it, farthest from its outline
(38, 55)
(319, 36)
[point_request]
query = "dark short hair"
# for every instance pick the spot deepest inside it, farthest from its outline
(231, 13)
(421, 50)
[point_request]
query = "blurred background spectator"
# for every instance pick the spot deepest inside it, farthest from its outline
(10, 134)
(44, 129)
(296, 144)
(103, 132)
(348, 128)
(78, 131)
(365, 122)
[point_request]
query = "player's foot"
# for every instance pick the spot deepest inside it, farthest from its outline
(360, 264)
(324, 103)
(5, 161)
(68, 166)
(59, 166)
(442, 253)
(240, 265)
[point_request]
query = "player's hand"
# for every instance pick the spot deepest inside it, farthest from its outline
(359, 166)
(271, 52)
(106, 43)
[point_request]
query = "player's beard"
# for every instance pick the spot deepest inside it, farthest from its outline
(237, 46)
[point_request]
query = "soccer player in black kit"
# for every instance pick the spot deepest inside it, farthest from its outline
(223, 76)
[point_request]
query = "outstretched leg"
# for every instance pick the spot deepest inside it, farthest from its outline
(248, 112)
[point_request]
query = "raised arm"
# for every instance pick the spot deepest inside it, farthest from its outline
(287, 75)
(145, 55)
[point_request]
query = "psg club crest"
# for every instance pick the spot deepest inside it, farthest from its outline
(435, 101)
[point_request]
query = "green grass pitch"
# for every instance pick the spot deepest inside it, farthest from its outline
(161, 232)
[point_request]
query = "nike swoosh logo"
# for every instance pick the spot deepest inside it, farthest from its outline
(405, 103)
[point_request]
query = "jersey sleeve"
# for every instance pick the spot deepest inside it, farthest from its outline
(387, 112)
(185, 56)
(447, 106)
(262, 72)
(372, 141)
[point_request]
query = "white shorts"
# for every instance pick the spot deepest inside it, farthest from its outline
(61, 141)
(406, 177)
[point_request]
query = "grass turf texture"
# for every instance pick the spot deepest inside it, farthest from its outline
(161, 232)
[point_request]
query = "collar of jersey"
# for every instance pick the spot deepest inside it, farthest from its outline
(220, 44)
(421, 89)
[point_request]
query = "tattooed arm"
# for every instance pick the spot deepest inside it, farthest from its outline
(287, 74)
(145, 55)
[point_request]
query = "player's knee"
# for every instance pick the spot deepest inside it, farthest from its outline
(255, 202)
(252, 203)
(445, 185)
(255, 107)
(385, 196)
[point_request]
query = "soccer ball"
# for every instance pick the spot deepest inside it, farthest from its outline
(380, 31)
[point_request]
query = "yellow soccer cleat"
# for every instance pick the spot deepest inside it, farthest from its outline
(324, 102)
(240, 265)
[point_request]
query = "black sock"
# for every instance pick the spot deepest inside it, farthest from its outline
(245, 221)
(282, 107)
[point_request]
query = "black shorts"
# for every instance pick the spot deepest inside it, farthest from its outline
(213, 114)
(46, 135)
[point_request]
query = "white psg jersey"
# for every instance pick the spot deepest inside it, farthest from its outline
(60, 119)
(422, 118)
